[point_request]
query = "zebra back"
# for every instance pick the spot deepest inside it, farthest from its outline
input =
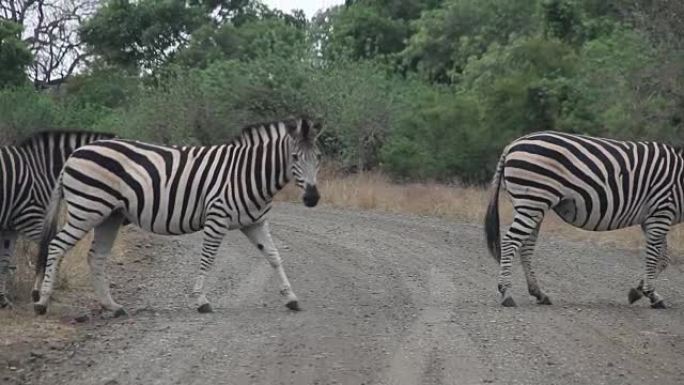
(29, 171)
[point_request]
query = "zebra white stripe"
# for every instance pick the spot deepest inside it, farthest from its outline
(171, 190)
(28, 173)
(592, 183)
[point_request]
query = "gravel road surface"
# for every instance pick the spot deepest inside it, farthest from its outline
(388, 299)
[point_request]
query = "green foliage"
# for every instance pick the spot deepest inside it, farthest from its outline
(23, 111)
(447, 38)
(362, 31)
(422, 89)
(438, 139)
(359, 103)
(562, 20)
(14, 55)
(261, 38)
(140, 34)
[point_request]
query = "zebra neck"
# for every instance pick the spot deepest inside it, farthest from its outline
(263, 157)
(47, 156)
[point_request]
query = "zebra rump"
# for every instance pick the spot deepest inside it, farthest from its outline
(592, 183)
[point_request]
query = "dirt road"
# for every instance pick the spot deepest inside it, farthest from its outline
(387, 299)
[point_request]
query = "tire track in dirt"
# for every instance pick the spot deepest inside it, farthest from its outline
(414, 360)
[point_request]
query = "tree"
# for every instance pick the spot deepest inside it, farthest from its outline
(362, 32)
(51, 34)
(14, 55)
(562, 20)
(141, 34)
(366, 29)
(446, 38)
(273, 34)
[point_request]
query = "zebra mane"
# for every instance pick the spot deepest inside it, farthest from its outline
(46, 134)
(308, 138)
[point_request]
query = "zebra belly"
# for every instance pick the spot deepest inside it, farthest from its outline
(572, 213)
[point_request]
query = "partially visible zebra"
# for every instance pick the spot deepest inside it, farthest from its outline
(179, 190)
(592, 183)
(28, 172)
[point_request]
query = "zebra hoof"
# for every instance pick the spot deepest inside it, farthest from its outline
(508, 302)
(4, 302)
(293, 305)
(35, 295)
(544, 300)
(205, 308)
(634, 295)
(39, 309)
(120, 312)
(659, 305)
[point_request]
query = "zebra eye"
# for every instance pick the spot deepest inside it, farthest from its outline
(295, 157)
(318, 156)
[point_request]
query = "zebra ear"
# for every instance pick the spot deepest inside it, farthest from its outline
(318, 129)
(305, 129)
(298, 128)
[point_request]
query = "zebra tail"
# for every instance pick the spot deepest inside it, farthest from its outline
(491, 224)
(49, 225)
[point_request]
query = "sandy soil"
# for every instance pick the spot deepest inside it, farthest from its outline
(388, 299)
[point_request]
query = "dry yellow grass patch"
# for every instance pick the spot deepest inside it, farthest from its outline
(20, 325)
(375, 191)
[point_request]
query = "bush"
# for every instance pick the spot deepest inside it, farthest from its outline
(24, 111)
(437, 139)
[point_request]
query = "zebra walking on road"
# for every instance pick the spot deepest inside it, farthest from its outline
(592, 183)
(179, 190)
(28, 172)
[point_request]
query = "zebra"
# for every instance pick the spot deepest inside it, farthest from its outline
(592, 183)
(179, 190)
(28, 172)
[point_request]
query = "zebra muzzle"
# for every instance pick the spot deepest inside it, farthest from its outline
(311, 196)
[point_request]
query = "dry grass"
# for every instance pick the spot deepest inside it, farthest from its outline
(19, 325)
(375, 191)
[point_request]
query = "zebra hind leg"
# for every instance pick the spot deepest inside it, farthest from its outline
(525, 223)
(105, 234)
(59, 245)
(7, 240)
(214, 231)
(526, 252)
(636, 293)
(656, 248)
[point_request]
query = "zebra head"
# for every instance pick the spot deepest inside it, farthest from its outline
(305, 158)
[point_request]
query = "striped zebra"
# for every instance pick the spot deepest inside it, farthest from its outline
(28, 172)
(179, 190)
(594, 184)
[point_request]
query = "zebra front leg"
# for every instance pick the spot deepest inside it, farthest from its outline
(214, 231)
(260, 235)
(103, 240)
(526, 252)
(8, 240)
